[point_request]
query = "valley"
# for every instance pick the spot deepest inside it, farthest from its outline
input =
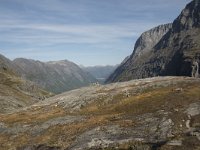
(150, 101)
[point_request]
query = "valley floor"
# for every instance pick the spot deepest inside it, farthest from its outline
(154, 113)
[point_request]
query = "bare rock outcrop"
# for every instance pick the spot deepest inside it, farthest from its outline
(145, 114)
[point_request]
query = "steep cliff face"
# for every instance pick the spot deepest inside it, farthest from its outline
(176, 53)
(189, 17)
(55, 76)
(143, 46)
(149, 39)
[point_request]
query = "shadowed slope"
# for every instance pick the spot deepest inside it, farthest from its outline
(177, 53)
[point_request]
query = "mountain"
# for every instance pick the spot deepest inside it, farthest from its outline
(143, 46)
(101, 73)
(54, 76)
(158, 113)
(148, 114)
(16, 92)
(176, 53)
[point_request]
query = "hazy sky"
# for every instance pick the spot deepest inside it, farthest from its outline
(87, 32)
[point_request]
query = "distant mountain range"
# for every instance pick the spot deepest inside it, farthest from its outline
(171, 49)
(101, 73)
(54, 76)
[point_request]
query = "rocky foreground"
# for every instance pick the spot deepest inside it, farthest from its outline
(155, 113)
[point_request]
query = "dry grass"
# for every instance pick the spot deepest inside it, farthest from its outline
(150, 100)
(101, 112)
(34, 115)
(21, 93)
(59, 135)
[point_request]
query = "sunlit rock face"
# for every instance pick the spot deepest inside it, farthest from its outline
(176, 52)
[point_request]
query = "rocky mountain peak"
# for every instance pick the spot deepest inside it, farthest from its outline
(149, 38)
(143, 45)
(166, 50)
(189, 17)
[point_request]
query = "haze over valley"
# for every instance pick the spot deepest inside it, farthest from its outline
(71, 79)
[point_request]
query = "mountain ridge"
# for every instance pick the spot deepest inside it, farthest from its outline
(54, 76)
(143, 45)
(157, 113)
(15, 92)
(176, 53)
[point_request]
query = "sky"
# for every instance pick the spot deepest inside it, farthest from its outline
(87, 32)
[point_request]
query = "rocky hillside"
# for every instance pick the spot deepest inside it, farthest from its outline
(6, 64)
(101, 73)
(143, 46)
(149, 39)
(156, 113)
(57, 76)
(176, 53)
(15, 92)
